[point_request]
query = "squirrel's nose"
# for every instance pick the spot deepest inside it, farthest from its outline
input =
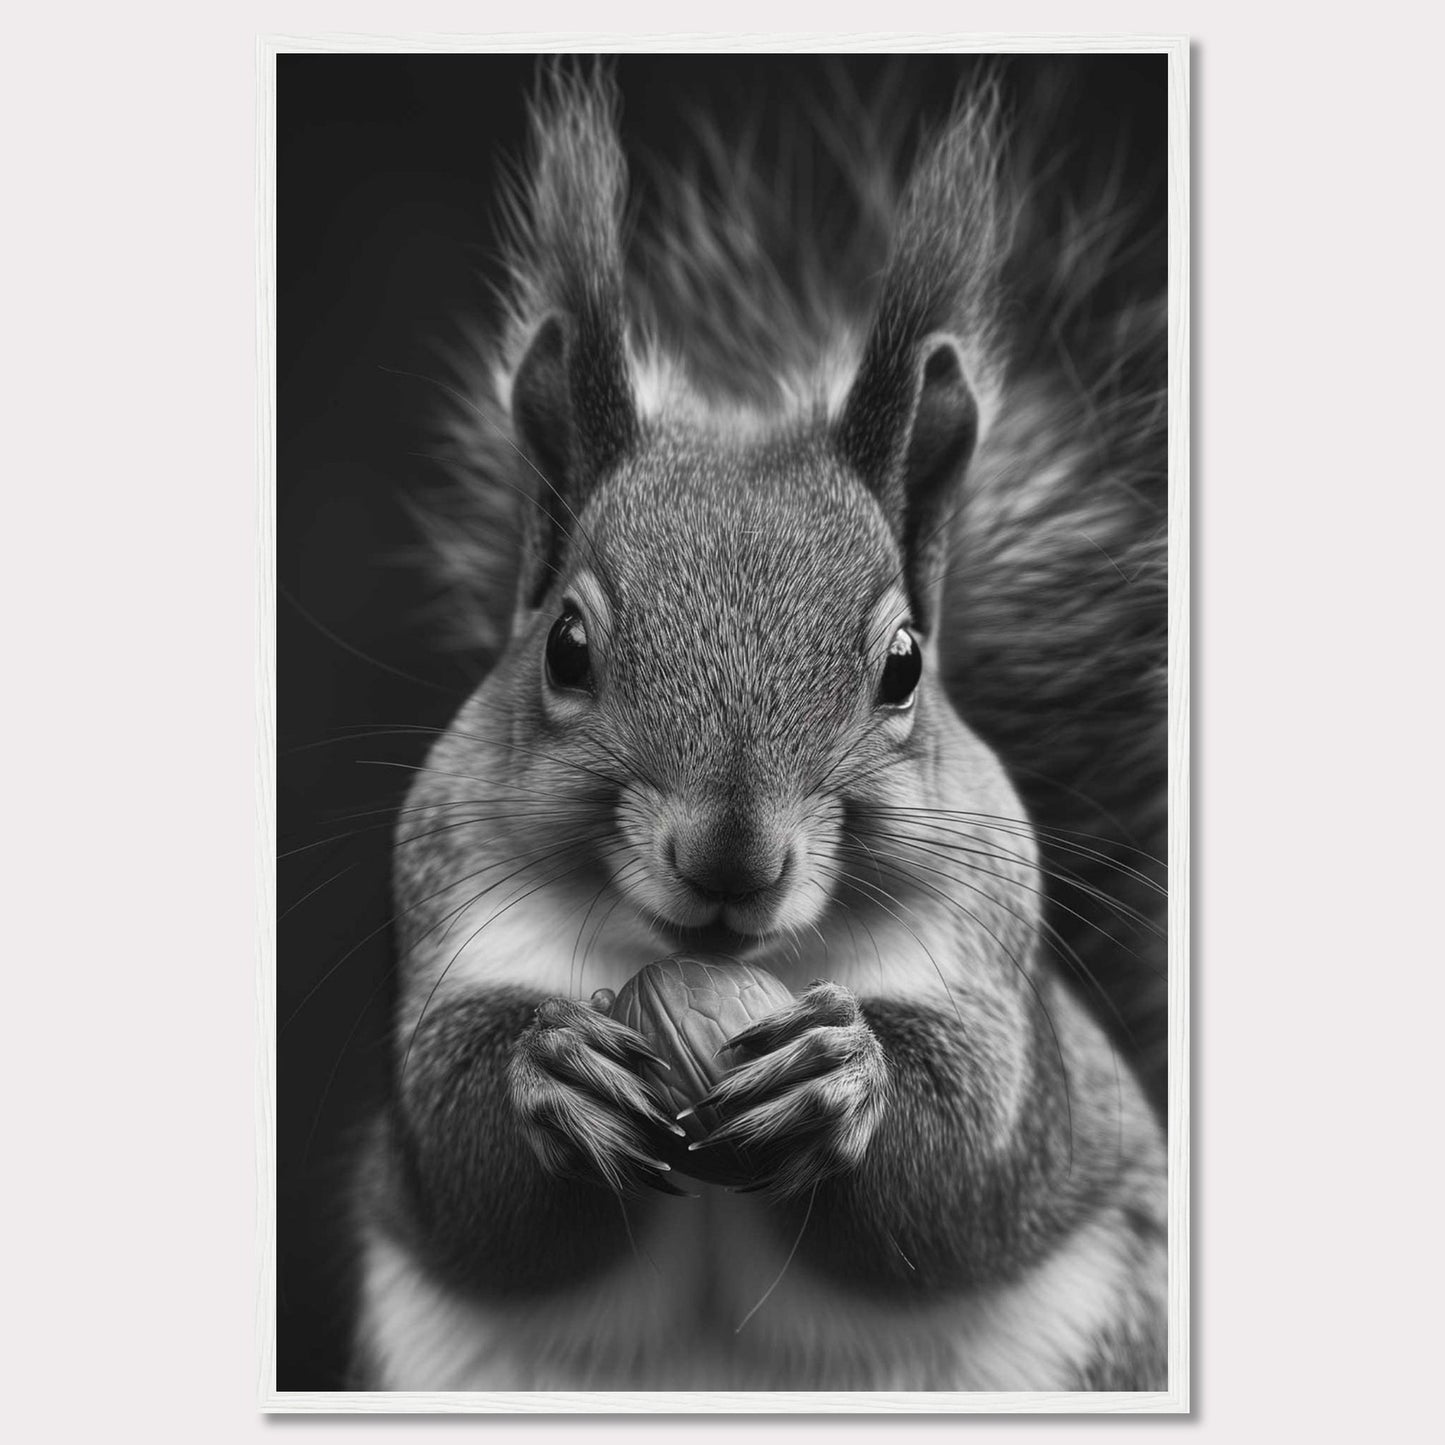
(725, 868)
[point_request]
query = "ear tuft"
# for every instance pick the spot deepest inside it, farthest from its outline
(573, 413)
(909, 431)
(542, 416)
(945, 422)
(541, 404)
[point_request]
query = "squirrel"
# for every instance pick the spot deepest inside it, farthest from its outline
(811, 563)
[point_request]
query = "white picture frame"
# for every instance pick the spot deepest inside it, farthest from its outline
(1177, 1398)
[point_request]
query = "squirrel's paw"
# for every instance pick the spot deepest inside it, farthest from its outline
(806, 1099)
(582, 1106)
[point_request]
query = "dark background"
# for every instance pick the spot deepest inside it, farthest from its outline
(387, 174)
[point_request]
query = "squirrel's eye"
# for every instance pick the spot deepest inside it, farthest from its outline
(901, 671)
(569, 664)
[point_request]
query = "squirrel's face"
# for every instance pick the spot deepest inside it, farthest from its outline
(730, 642)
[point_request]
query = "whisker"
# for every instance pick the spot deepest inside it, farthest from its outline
(354, 834)
(553, 849)
(311, 892)
(629, 767)
(904, 924)
(1033, 987)
(1061, 946)
(443, 772)
(1022, 827)
(340, 1057)
(1110, 817)
(469, 778)
(355, 651)
(618, 872)
(606, 917)
(501, 433)
(466, 943)
(807, 1215)
(411, 908)
(1124, 909)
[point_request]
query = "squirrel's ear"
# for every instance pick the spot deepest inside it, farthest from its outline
(908, 429)
(573, 411)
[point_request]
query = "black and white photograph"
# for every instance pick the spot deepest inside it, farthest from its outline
(726, 942)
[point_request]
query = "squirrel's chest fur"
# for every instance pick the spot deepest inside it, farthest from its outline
(678, 1315)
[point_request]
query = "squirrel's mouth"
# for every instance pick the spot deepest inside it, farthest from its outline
(714, 937)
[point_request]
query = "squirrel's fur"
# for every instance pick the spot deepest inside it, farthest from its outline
(745, 450)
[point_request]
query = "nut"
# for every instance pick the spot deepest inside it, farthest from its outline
(687, 1007)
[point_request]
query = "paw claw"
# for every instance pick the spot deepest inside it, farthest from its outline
(805, 1104)
(583, 1104)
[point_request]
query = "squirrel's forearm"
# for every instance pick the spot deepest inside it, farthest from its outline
(975, 1170)
(467, 1188)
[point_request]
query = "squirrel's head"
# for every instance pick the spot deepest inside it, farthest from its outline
(738, 635)
(724, 640)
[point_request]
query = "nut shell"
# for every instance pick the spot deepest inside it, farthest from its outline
(687, 1007)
